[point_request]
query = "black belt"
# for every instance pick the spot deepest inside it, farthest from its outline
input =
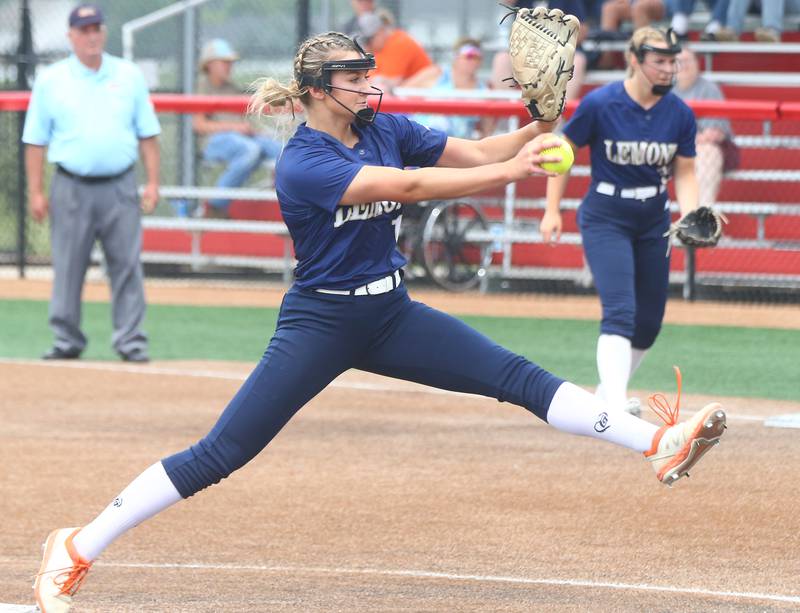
(92, 179)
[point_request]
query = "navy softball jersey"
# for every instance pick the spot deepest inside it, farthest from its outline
(319, 335)
(625, 213)
(335, 249)
(631, 146)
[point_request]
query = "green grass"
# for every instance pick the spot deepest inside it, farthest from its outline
(716, 360)
(176, 332)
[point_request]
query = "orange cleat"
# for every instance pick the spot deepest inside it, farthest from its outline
(61, 574)
(677, 447)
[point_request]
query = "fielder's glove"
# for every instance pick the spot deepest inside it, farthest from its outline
(701, 227)
(542, 47)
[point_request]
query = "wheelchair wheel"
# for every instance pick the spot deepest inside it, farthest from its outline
(453, 259)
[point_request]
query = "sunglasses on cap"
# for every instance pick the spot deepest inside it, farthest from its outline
(469, 51)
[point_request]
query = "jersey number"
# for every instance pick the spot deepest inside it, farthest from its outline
(396, 223)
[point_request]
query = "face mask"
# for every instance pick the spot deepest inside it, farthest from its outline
(365, 62)
(363, 116)
(662, 90)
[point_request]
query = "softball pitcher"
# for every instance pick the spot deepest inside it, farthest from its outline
(340, 182)
(639, 134)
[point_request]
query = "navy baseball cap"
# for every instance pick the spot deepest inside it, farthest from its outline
(85, 15)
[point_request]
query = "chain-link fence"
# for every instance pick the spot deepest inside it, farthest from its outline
(263, 32)
(759, 176)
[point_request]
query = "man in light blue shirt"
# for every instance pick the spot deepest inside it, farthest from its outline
(92, 114)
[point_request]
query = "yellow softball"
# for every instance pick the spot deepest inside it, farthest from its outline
(567, 158)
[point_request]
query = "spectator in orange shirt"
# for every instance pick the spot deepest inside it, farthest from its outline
(398, 57)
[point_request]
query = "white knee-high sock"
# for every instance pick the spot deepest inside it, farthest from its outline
(614, 368)
(576, 411)
(637, 355)
(148, 494)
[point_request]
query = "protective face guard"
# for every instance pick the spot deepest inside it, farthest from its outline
(366, 62)
(673, 48)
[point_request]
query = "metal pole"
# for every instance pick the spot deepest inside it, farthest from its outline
(508, 210)
(25, 61)
(130, 27)
(689, 282)
(303, 20)
(325, 17)
(463, 23)
(187, 86)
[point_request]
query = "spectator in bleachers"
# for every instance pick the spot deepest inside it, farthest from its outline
(398, 57)
(772, 14)
(582, 10)
(227, 138)
(639, 12)
(615, 13)
(716, 151)
(681, 10)
(461, 74)
(360, 7)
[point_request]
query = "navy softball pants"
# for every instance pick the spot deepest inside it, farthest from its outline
(319, 336)
(624, 244)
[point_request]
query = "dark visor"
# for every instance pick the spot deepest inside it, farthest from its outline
(324, 82)
(365, 63)
(673, 46)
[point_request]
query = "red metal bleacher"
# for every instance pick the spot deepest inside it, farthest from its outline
(742, 226)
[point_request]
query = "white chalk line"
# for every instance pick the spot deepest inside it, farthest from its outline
(216, 374)
(232, 376)
(458, 577)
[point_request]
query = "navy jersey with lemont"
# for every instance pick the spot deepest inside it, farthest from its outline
(342, 247)
(631, 146)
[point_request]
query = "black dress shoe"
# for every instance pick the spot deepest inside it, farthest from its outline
(137, 356)
(54, 353)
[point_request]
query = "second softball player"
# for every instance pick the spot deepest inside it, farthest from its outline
(639, 134)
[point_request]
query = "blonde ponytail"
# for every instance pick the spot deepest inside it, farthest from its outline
(271, 93)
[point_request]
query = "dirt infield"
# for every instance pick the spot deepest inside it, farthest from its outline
(386, 496)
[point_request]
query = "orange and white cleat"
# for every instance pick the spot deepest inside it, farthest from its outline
(61, 574)
(677, 447)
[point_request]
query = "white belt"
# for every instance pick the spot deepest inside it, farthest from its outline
(633, 193)
(381, 286)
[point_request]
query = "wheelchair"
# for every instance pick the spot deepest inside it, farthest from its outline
(446, 242)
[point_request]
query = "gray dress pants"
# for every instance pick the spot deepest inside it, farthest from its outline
(80, 213)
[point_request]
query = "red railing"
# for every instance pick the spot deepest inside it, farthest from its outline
(187, 103)
(780, 228)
